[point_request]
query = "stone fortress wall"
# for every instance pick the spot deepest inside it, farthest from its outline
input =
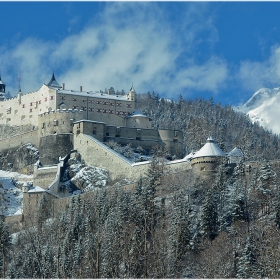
(95, 153)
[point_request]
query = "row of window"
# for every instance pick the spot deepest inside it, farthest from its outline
(101, 110)
(108, 103)
(38, 102)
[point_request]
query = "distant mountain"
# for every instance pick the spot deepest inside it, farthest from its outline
(263, 107)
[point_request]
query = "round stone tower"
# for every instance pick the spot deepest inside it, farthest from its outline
(205, 161)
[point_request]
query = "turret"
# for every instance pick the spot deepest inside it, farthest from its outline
(2, 86)
(53, 83)
(207, 159)
(19, 96)
(131, 94)
(25, 188)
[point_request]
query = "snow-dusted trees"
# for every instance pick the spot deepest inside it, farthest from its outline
(209, 216)
(179, 236)
(248, 265)
(5, 240)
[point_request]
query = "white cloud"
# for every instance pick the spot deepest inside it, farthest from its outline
(255, 74)
(132, 43)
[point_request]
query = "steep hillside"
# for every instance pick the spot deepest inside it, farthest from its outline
(200, 118)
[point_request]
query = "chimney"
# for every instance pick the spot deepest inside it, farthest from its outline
(81, 88)
(63, 86)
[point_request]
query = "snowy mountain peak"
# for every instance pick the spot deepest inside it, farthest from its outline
(263, 107)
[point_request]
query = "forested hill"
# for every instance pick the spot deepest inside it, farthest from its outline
(199, 118)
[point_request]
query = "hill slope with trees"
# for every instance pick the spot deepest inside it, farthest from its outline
(171, 225)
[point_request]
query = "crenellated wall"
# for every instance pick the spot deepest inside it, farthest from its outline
(58, 121)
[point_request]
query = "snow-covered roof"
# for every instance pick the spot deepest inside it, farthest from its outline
(93, 94)
(236, 153)
(36, 189)
(210, 149)
(137, 113)
(18, 212)
(189, 156)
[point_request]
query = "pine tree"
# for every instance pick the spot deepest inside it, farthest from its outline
(209, 216)
(248, 265)
(238, 205)
(5, 242)
(43, 210)
(179, 236)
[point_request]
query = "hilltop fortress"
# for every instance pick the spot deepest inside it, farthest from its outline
(65, 122)
(53, 110)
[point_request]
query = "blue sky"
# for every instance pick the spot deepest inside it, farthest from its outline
(224, 50)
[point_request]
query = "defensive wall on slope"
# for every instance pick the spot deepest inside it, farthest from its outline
(44, 176)
(95, 153)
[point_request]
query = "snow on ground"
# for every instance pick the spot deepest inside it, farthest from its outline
(11, 196)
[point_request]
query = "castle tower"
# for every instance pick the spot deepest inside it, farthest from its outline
(2, 86)
(207, 159)
(131, 94)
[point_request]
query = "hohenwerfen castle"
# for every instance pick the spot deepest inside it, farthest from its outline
(65, 122)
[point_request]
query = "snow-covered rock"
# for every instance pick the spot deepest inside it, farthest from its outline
(90, 177)
(263, 107)
(74, 169)
(10, 195)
